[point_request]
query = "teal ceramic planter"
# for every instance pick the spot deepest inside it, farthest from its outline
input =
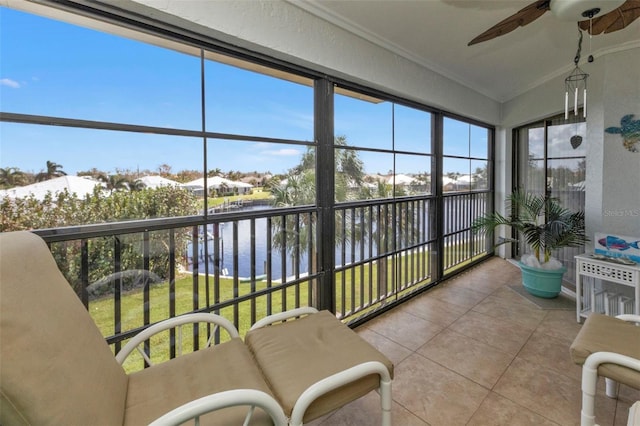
(546, 283)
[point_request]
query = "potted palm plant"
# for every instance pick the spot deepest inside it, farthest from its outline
(546, 226)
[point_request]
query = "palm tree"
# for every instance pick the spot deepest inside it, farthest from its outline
(391, 224)
(164, 170)
(10, 177)
(383, 233)
(214, 172)
(299, 189)
(53, 170)
(480, 178)
(234, 175)
(296, 232)
(422, 182)
(136, 185)
(272, 183)
(115, 182)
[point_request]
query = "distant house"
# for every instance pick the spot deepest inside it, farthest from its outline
(217, 183)
(460, 183)
(79, 185)
(243, 188)
(156, 181)
(256, 179)
(401, 180)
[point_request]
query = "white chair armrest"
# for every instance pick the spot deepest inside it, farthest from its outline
(217, 401)
(629, 317)
(590, 379)
(268, 320)
(634, 415)
(342, 378)
(170, 323)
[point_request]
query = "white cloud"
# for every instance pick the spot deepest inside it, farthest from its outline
(10, 83)
(284, 152)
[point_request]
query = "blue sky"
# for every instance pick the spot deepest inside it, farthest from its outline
(56, 69)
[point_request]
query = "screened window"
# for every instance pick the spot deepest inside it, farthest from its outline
(245, 102)
(364, 123)
(198, 134)
(466, 156)
(63, 70)
(139, 121)
(390, 143)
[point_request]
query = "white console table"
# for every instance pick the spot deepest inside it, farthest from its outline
(589, 299)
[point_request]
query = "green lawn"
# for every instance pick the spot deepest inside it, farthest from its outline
(353, 284)
(258, 193)
(132, 310)
(102, 310)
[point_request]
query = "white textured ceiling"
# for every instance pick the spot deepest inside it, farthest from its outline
(435, 33)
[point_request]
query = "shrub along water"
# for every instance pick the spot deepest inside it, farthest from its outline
(67, 209)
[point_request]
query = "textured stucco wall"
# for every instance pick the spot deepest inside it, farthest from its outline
(620, 167)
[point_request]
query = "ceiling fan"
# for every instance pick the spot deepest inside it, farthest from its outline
(594, 16)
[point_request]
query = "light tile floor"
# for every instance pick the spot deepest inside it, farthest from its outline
(474, 352)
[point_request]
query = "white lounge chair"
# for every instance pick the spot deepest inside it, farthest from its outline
(607, 347)
(56, 367)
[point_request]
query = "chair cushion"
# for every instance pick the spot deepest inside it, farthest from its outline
(296, 354)
(604, 333)
(56, 366)
(157, 390)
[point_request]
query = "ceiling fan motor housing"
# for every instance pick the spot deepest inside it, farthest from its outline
(574, 10)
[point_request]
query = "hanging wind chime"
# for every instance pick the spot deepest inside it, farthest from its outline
(576, 84)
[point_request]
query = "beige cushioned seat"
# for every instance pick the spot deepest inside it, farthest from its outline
(56, 368)
(602, 333)
(296, 354)
(222, 367)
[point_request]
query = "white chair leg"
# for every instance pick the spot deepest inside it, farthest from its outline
(386, 401)
(634, 415)
(611, 388)
(589, 381)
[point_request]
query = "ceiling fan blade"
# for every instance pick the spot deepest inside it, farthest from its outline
(615, 20)
(520, 19)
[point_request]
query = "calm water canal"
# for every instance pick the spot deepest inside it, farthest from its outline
(454, 220)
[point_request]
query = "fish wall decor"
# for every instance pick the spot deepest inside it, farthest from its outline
(629, 130)
(618, 246)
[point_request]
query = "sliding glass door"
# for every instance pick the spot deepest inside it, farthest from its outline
(549, 157)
